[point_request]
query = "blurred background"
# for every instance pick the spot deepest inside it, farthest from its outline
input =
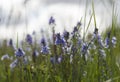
(19, 17)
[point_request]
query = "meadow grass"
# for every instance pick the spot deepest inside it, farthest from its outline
(73, 67)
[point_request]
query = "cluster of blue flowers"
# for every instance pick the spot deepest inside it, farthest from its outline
(59, 40)
(66, 43)
(45, 48)
(29, 39)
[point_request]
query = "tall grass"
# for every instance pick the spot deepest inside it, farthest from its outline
(74, 67)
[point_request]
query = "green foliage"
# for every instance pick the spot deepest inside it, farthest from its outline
(41, 69)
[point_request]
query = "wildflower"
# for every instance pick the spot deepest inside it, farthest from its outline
(68, 49)
(73, 49)
(4, 57)
(114, 41)
(107, 40)
(84, 48)
(95, 34)
(51, 20)
(43, 42)
(97, 38)
(14, 64)
(66, 35)
(59, 40)
(35, 53)
(85, 51)
(75, 29)
(10, 42)
(45, 50)
(100, 42)
(60, 59)
(19, 52)
(96, 31)
(79, 24)
(29, 39)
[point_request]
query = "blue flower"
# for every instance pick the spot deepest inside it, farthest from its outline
(6, 56)
(59, 40)
(75, 29)
(107, 40)
(100, 41)
(114, 41)
(66, 35)
(10, 42)
(73, 49)
(51, 20)
(97, 37)
(43, 42)
(29, 39)
(60, 59)
(79, 24)
(85, 51)
(45, 50)
(14, 64)
(19, 52)
(84, 48)
(96, 31)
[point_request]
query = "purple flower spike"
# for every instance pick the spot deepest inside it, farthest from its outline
(107, 40)
(75, 29)
(4, 57)
(66, 35)
(60, 59)
(10, 42)
(43, 42)
(14, 64)
(114, 41)
(29, 39)
(19, 53)
(59, 40)
(84, 48)
(96, 31)
(79, 24)
(45, 50)
(51, 20)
